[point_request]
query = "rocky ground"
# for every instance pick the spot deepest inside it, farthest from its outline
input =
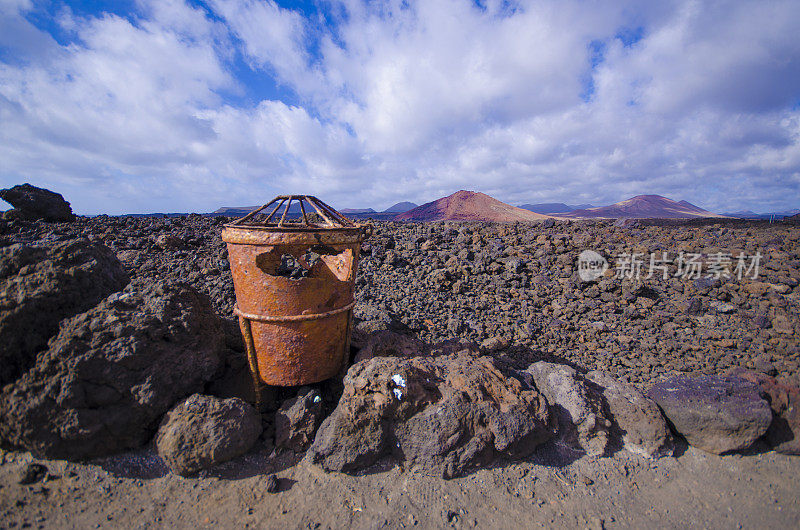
(481, 302)
(519, 284)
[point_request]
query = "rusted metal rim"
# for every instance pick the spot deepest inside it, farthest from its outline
(266, 236)
(297, 228)
(292, 318)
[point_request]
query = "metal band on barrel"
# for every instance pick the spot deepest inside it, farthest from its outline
(292, 318)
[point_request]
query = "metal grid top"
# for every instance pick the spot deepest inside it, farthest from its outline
(330, 217)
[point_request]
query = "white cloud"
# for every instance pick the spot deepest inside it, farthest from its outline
(731, 56)
(120, 103)
(272, 38)
(406, 101)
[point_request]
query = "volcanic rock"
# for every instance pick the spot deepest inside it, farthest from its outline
(31, 473)
(543, 310)
(784, 400)
(271, 483)
(168, 241)
(715, 414)
(112, 372)
(298, 419)
(625, 222)
(694, 307)
(387, 343)
(32, 203)
(637, 418)
(581, 420)
(722, 307)
(368, 320)
(40, 285)
(783, 325)
(204, 431)
(494, 344)
(237, 381)
(444, 414)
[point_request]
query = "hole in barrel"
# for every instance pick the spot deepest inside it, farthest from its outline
(318, 261)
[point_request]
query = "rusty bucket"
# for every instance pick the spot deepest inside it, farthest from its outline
(294, 282)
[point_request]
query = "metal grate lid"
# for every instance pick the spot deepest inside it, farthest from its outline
(330, 217)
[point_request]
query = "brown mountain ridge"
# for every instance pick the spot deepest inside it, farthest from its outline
(643, 207)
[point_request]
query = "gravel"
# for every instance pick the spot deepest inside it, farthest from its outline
(519, 284)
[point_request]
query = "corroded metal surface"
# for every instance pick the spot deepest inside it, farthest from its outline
(258, 235)
(296, 329)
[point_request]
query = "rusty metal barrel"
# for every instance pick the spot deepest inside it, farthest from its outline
(293, 273)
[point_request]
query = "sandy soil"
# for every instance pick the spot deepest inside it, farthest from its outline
(622, 491)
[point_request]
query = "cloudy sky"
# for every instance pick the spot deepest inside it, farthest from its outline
(172, 105)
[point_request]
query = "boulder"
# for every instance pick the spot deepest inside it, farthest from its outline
(715, 414)
(784, 400)
(41, 285)
(33, 203)
(204, 431)
(445, 414)
(112, 372)
(298, 419)
(581, 421)
(636, 418)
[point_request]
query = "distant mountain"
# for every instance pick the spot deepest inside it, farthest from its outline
(468, 206)
(234, 210)
(350, 211)
(553, 207)
(744, 214)
(401, 207)
(643, 207)
(295, 212)
(749, 214)
(239, 211)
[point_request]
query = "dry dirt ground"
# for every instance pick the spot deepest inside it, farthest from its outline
(695, 489)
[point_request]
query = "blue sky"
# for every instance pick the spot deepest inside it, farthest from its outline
(144, 105)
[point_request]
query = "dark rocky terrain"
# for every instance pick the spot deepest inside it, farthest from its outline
(481, 334)
(516, 286)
